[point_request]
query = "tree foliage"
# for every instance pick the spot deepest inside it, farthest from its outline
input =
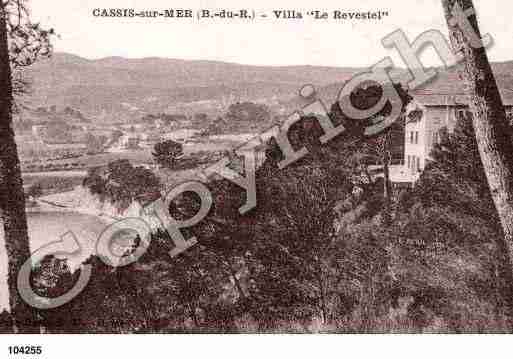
(314, 255)
(167, 153)
(248, 111)
(281, 266)
(122, 183)
(28, 42)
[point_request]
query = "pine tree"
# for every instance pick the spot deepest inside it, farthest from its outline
(492, 133)
(30, 42)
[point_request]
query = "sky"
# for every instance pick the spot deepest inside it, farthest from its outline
(262, 42)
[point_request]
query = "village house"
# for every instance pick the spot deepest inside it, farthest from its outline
(129, 141)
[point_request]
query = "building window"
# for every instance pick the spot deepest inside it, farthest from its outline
(462, 114)
(409, 161)
(416, 137)
(411, 137)
(418, 164)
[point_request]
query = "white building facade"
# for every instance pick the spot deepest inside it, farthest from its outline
(426, 117)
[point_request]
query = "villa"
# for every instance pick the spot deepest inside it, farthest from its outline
(426, 116)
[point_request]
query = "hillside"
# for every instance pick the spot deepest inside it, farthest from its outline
(446, 83)
(116, 84)
(131, 87)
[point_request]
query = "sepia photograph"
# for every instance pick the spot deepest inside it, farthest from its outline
(273, 167)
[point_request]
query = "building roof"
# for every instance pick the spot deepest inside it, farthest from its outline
(427, 97)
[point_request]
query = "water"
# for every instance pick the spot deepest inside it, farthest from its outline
(47, 227)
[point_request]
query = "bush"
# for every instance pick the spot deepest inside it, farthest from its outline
(167, 153)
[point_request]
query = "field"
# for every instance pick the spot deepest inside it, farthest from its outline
(86, 161)
(137, 157)
(53, 183)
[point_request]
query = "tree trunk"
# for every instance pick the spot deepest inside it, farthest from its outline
(322, 292)
(387, 185)
(237, 282)
(194, 316)
(12, 197)
(493, 138)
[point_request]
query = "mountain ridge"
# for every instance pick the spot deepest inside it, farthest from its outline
(117, 85)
